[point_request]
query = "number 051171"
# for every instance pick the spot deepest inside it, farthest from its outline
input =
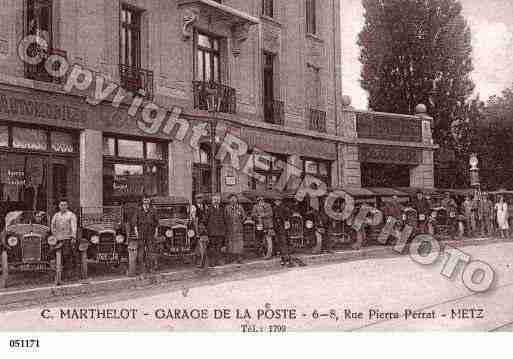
(24, 343)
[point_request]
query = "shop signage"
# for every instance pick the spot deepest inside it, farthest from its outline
(17, 106)
(381, 127)
(289, 145)
(387, 154)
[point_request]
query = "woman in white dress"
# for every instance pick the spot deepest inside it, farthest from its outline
(502, 216)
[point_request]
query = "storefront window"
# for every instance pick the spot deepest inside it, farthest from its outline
(155, 151)
(319, 169)
(29, 139)
(133, 169)
(4, 136)
(109, 146)
(130, 149)
(271, 167)
(128, 180)
(62, 142)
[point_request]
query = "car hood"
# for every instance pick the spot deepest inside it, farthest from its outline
(102, 227)
(173, 222)
(23, 229)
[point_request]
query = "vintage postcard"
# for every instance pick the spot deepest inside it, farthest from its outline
(255, 166)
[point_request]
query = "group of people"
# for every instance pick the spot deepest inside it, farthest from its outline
(223, 228)
(481, 215)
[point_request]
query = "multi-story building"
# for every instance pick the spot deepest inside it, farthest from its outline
(265, 71)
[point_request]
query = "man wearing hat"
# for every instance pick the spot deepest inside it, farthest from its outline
(145, 223)
(215, 224)
(281, 221)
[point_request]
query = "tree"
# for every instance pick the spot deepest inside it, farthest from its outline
(417, 51)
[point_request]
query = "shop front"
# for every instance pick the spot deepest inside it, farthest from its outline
(38, 167)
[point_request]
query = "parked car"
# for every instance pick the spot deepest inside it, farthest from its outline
(27, 245)
(176, 230)
(104, 239)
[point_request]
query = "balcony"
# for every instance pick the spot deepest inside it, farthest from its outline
(274, 112)
(38, 72)
(222, 97)
(318, 120)
(137, 80)
(391, 127)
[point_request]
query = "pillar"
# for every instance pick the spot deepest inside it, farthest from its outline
(180, 170)
(91, 168)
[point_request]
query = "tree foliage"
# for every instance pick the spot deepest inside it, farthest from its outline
(417, 51)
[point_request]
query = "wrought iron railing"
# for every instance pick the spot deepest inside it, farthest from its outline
(317, 120)
(137, 80)
(214, 97)
(274, 112)
(38, 71)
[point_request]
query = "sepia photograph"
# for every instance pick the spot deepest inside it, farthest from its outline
(255, 167)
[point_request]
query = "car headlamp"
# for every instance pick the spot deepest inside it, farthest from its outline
(95, 239)
(191, 233)
(169, 233)
(12, 241)
(52, 241)
(120, 238)
(309, 224)
(260, 227)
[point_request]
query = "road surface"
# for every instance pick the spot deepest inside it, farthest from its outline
(352, 296)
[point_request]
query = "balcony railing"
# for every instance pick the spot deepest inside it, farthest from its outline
(317, 120)
(222, 97)
(137, 80)
(38, 72)
(274, 112)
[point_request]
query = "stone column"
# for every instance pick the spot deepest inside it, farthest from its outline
(180, 170)
(91, 168)
(351, 168)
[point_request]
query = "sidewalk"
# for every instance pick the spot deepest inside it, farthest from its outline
(95, 285)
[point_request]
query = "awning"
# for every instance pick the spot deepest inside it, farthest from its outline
(272, 142)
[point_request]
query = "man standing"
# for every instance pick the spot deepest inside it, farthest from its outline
(145, 228)
(262, 213)
(486, 215)
(468, 210)
(216, 227)
(423, 208)
(235, 215)
(281, 221)
(64, 228)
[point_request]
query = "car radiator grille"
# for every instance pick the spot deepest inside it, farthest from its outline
(107, 243)
(31, 248)
(180, 239)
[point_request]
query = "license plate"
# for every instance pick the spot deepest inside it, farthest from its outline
(107, 257)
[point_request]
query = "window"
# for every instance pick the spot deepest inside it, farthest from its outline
(268, 8)
(39, 19)
(270, 166)
(313, 86)
(319, 169)
(311, 17)
(130, 37)
(208, 58)
(4, 136)
(29, 139)
(63, 142)
(130, 149)
(133, 168)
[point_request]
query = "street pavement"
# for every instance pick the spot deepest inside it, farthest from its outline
(351, 296)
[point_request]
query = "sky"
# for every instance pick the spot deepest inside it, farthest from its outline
(491, 23)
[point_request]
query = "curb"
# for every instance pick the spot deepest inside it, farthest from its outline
(52, 292)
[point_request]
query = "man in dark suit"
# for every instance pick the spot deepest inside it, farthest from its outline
(216, 227)
(281, 221)
(145, 224)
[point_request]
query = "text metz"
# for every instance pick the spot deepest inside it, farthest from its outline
(469, 313)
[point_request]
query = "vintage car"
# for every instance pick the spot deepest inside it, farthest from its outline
(104, 237)
(443, 223)
(306, 226)
(27, 245)
(176, 230)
